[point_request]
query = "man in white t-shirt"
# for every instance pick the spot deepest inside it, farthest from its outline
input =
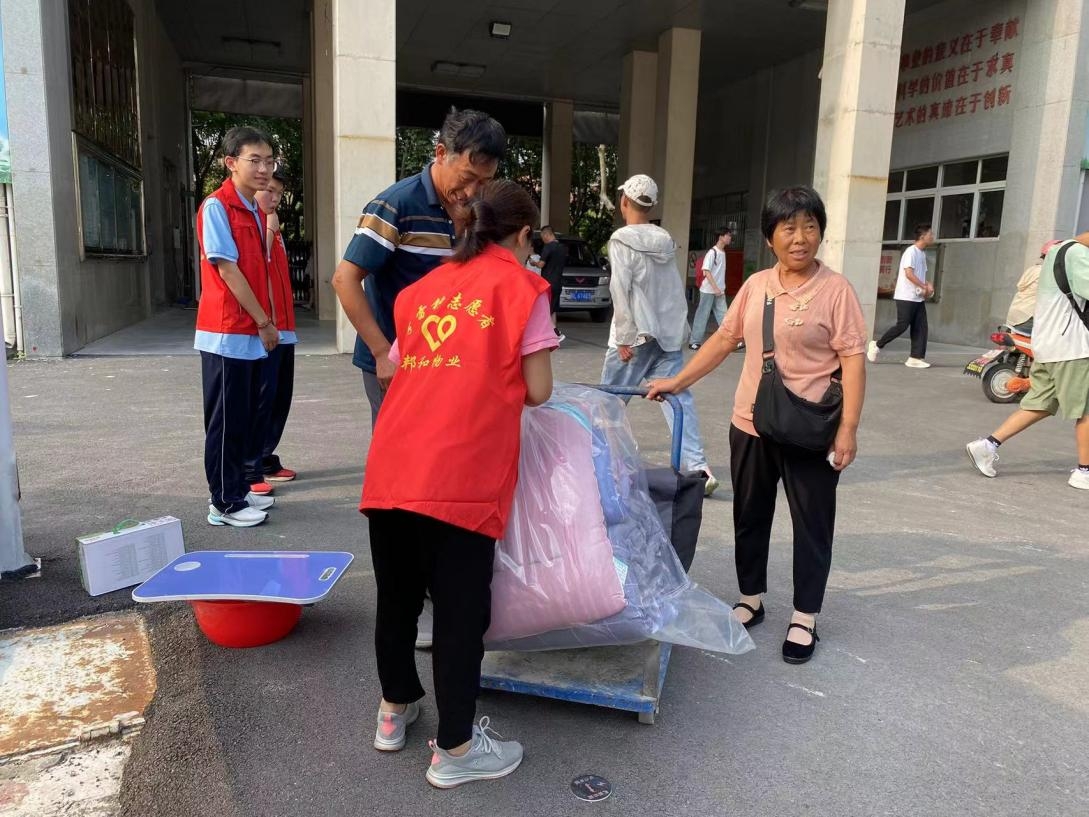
(712, 290)
(912, 290)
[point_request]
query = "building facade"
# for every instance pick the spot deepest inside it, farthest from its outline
(965, 114)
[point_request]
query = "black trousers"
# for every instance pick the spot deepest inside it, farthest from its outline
(276, 387)
(230, 394)
(909, 315)
(414, 554)
(756, 467)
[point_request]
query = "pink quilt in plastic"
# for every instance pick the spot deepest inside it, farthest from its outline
(554, 567)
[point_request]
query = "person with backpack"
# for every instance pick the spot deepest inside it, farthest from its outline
(1059, 378)
(711, 280)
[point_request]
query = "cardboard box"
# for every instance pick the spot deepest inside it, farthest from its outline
(128, 556)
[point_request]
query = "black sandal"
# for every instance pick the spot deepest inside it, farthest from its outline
(757, 614)
(800, 653)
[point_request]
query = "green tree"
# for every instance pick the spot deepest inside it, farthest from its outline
(590, 219)
(209, 129)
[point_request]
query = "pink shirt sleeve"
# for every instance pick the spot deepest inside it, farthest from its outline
(733, 327)
(539, 333)
(848, 324)
(394, 354)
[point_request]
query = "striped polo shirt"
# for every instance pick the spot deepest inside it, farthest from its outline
(402, 235)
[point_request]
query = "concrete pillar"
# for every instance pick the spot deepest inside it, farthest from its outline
(677, 99)
(556, 157)
(12, 555)
(32, 171)
(854, 135)
(355, 134)
(638, 92)
(1051, 100)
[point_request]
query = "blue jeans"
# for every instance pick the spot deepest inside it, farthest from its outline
(708, 301)
(651, 362)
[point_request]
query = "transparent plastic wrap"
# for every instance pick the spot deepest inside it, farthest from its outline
(585, 561)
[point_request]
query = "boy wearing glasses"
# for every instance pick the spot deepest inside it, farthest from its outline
(236, 324)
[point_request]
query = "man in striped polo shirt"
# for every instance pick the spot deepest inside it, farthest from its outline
(407, 231)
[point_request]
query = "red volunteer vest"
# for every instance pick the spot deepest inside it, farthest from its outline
(283, 300)
(219, 311)
(447, 438)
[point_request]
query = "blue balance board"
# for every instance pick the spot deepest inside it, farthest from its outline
(291, 577)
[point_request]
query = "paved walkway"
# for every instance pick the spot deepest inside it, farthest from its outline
(950, 679)
(169, 332)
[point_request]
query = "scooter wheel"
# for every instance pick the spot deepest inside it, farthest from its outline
(996, 381)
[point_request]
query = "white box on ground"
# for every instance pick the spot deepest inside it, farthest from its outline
(127, 556)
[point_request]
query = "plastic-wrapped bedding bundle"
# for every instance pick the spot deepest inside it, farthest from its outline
(585, 536)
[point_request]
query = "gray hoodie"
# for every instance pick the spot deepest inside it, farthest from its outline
(647, 291)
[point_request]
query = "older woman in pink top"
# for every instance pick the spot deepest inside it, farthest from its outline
(818, 328)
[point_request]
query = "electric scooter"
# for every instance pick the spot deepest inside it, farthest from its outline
(1005, 370)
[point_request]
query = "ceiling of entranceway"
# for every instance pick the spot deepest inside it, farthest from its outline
(568, 49)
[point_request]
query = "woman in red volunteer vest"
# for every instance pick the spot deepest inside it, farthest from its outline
(473, 347)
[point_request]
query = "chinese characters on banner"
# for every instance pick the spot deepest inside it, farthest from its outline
(959, 75)
(437, 324)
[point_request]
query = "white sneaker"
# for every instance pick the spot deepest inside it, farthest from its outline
(872, 351)
(984, 454)
(261, 503)
(916, 363)
(561, 337)
(1079, 479)
(245, 518)
(487, 759)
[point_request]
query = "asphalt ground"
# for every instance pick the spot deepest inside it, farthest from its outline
(950, 678)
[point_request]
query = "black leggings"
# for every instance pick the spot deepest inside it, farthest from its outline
(909, 315)
(756, 466)
(414, 554)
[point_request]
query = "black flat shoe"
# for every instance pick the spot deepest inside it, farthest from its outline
(800, 653)
(757, 614)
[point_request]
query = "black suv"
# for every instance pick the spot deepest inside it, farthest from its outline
(585, 279)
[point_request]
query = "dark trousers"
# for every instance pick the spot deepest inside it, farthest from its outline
(230, 393)
(277, 385)
(909, 315)
(413, 554)
(756, 467)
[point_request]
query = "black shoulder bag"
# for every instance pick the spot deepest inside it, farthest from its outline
(782, 416)
(1063, 283)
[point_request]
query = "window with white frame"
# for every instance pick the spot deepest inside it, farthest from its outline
(962, 200)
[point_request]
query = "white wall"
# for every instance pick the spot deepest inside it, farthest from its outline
(975, 289)
(69, 302)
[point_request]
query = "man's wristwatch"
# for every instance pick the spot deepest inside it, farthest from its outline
(268, 322)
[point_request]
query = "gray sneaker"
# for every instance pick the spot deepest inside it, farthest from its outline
(983, 454)
(487, 759)
(390, 735)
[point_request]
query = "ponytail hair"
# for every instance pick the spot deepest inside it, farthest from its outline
(502, 209)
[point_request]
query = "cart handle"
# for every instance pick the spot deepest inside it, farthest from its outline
(674, 403)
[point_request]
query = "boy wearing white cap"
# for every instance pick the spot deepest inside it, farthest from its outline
(650, 315)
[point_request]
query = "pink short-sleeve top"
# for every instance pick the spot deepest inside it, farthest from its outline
(815, 324)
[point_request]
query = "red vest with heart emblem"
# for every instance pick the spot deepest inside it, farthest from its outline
(219, 310)
(447, 437)
(283, 299)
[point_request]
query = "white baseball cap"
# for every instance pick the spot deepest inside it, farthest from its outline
(641, 189)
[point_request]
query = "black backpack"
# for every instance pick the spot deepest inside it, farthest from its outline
(1064, 284)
